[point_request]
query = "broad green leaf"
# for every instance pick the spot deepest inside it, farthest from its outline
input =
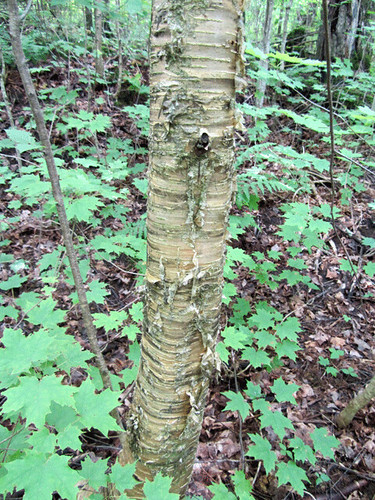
(111, 321)
(40, 476)
(256, 358)
(229, 291)
(43, 441)
(141, 185)
(253, 391)
(66, 421)
(123, 476)
(237, 403)
(220, 492)
(14, 281)
(302, 452)
(159, 488)
(23, 140)
(131, 331)
(234, 338)
(136, 312)
(13, 443)
(94, 408)
(242, 486)
(324, 443)
(33, 398)
(290, 473)
(261, 450)
(265, 339)
(277, 421)
(45, 314)
(94, 472)
(222, 352)
(287, 348)
(288, 329)
(369, 269)
(82, 208)
(8, 311)
(97, 292)
(283, 391)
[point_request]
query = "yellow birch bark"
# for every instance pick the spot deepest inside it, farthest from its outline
(195, 51)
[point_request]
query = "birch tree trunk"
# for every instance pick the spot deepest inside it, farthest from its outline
(262, 84)
(194, 53)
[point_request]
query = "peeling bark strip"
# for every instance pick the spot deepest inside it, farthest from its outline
(194, 55)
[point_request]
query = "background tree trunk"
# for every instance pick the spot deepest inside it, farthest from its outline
(262, 84)
(194, 50)
(288, 7)
(348, 21)
(99, 64)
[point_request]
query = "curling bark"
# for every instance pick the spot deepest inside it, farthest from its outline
(195, 49)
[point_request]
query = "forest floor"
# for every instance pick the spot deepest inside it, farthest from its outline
(322, 313)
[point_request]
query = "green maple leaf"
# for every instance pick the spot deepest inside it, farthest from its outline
(264, 339)
(261, 450)
(370, 269)
(136, 312)
(131, 331)
(23, 352)
(229, 291)
(94, 408)
(8, 312)
(283, 391)
(241, 307)
(222, 352)
(96, 292)
(253, 391)
(287, 348)
(129, 374)
(110, 321)
(237, 403)
(13, 443)
(40, 476)
(66, 421)
(261, 405)
(242, 486)
(302, 452)
(94, 472)
(255, 358)
(288, 329)
(324, 443)
(99, 124)
(290, 473)
(123, 477)
(82, 208)
(14, 281)
(44, 314)
(277, 421)
(220, 492)
(42, 441)
(23, 140)
(263, 319)
(234, 337)
(33, 398)
(159, 488)
(292, 277)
